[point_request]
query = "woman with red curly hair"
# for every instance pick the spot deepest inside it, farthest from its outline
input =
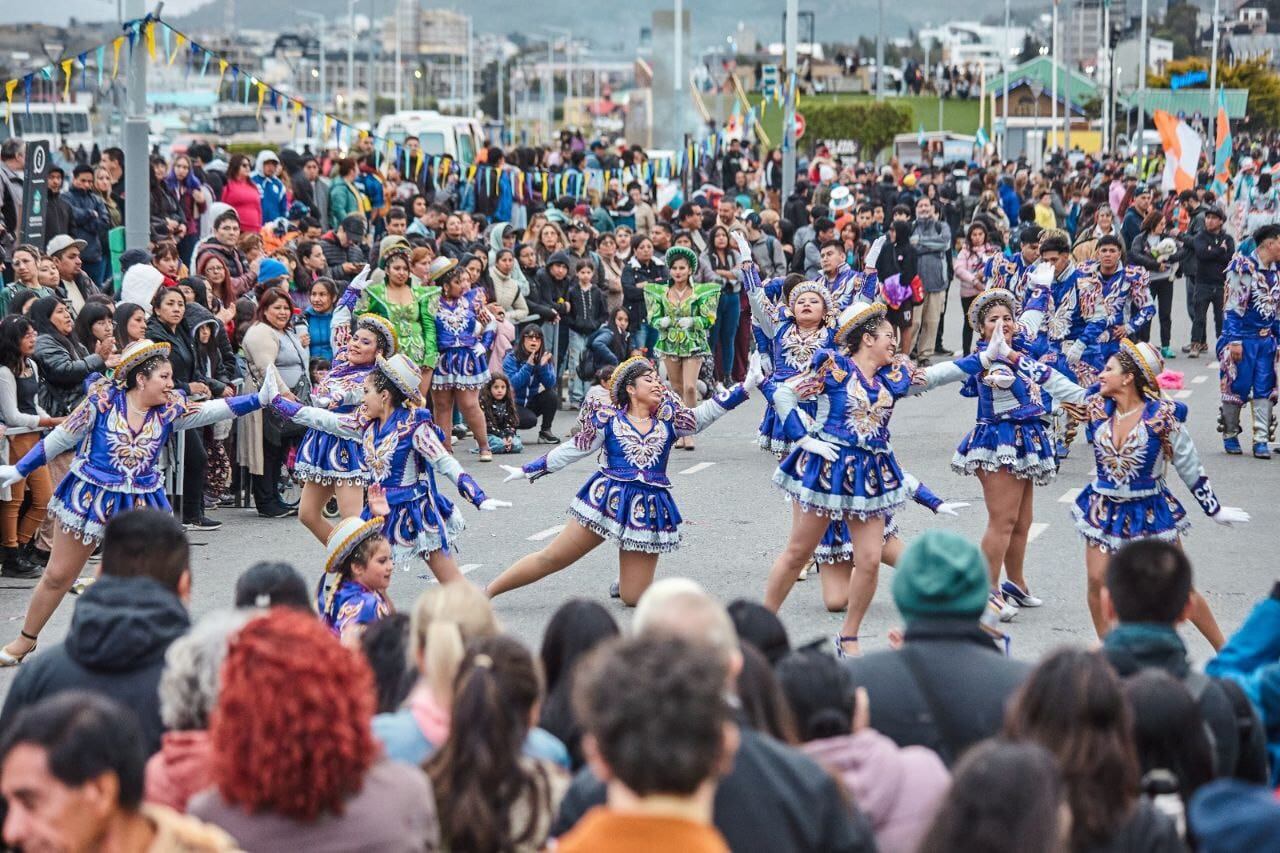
(295, 763)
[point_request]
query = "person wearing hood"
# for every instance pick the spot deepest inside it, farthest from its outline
(508, 290)
(275, 197)
(122, 624)
(548, 300)
(899, 789)
(139, 285)
(498, 241)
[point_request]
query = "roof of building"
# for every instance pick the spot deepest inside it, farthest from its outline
(1188, 102)
(1040, 70)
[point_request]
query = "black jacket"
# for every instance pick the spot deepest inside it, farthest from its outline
(960, 666)
(586, 309)
(634, 276)
(57, 216)
(119, 633)
(182, 354)
(216, 361)
(775, 798)
(335, 255)
(1146, 830)
(545, 291)
(64, 365)
(1213, 252)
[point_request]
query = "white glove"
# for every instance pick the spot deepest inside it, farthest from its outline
(490, 504)
(361, 281)
(9, 475)
(1041, 274)
(873, 254)
(744, 248)
(664, 322)
(1075, 352)
(270, 387)
(818, 447)
(513, 473)
(755, 373)
(685, 322)
(998, 376)
(949, 508)
(997, 348)
(1227, 516)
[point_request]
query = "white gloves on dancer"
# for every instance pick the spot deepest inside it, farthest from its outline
(270, 387)
(9, 475)
(513, 473)
(1041, 274)
(818, 447)
(1228, 516)
(873, 254)
(361, 281)
(949, 508)
(744, 248)
(685, 323)
(997, 349)
(755, 373)
(663, 322)
(490, 504)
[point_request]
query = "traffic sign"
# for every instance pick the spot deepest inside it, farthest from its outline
(799, 125)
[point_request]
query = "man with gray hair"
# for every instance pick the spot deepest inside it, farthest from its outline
(775, 798)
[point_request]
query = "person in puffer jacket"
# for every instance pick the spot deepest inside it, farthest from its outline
(275, 198)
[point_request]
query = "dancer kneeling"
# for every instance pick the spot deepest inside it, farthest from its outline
(843, 466)
(118, 430)
(627, 501)
(403, 450)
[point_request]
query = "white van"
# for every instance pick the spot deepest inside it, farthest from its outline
(55, 123)
(456, 136)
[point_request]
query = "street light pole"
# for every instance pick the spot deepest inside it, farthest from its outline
(1004, 72)
(880, 51)
(137, 169)
(789, 116)
(1213, 88)
(351, 59)
(320, 32)
(1142, 82)
(399, 57)
(1053, 80)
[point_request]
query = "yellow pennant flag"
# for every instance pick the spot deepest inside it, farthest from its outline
(66, 74)
(222, 71)
(324, 128)
(178, 41)
(262, 95)
(9, 86)
(151, 40)
(115, 56)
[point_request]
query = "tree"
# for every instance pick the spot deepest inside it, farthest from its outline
(1030, 49)
(872, 124)
(1255, 75)
(1181, 28)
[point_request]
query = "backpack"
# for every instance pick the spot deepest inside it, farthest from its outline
(1251, 750)
(797, 259)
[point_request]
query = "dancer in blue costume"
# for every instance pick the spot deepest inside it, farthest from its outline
(842, 466)
(1116, 301)
(464, 333)
(1136, 434)
(118, 432)
(628, 500)
(352, 593)
(1247, 346)
(1065, 325)
(330, 466)
(403, 450)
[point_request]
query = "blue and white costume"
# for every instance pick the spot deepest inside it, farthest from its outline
(837, 541)
(853, 413)
(402, 455)
(463, 343)
(789, 350)
(1008, 272)
(1122, 298)
(1252, 320)
(628, 501)
(115, 469)
(351, 604)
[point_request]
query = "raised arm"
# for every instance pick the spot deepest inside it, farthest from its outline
(590, 438)
(59, 440)
(691, 421)
(211, 411)
(427, 443)
(761, 310)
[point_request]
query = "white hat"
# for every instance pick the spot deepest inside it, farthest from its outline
(139, 285)
(404, 374)
(346, 537)
(841, 199)
(63, 242)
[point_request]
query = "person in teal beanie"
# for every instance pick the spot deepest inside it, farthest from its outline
(946, 686)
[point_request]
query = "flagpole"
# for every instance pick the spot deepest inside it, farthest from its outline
(1053, 80)
(1142, 81)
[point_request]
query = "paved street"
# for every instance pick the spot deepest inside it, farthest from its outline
(736, 522)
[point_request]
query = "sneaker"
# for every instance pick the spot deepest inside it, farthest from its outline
(277, 511)
(460, 432)
(546, 436)
(204, 522)
(1261, 450)
(1232, 446)
(1020, 597)
(1168, 352)
(1061, 449)
(943, 352)
(1188, 349)
(1008, 610)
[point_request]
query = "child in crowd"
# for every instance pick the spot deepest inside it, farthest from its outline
(501, 421)
(318, 368)
(319, 313)
(360, 558)
(504, 338)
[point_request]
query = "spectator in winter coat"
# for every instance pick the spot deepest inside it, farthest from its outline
(344, 250)
(344, 195)
(312, 190)
(57, 213)
(275, 198)
(122, 624)
(224, 243)
(243, 194)
(766, 250)
(532, 372)
(644, 268)
(89, 222)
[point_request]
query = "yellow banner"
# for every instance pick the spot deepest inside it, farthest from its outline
(66, 82)
(178, 41)
(115, 56)
(151, 40)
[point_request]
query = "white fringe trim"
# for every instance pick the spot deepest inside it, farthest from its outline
(446, 381)
(1034, 467)
(403, 555)
(838, 506)
(88, 532)
(627, 539)
(324, 477)
(1110, 544)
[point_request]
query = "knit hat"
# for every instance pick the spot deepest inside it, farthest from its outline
(270, 269)
(941, 574)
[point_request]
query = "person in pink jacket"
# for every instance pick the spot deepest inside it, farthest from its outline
(243, 194)
(900, 789)
(969, 263)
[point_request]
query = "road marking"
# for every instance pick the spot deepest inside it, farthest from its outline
(1068, 497)
(1196, 380)
(1037, 527)
(546, 534)
(701, 466)
(1182, 395)
(469, 568)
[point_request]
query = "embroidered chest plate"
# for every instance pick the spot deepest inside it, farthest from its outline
(798, 347)
(641, 450)
(865, 416)
(1126, 461)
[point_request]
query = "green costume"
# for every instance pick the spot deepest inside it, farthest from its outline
(415, 323)
(677, 339)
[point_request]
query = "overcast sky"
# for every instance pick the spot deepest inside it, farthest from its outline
(60, 11)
